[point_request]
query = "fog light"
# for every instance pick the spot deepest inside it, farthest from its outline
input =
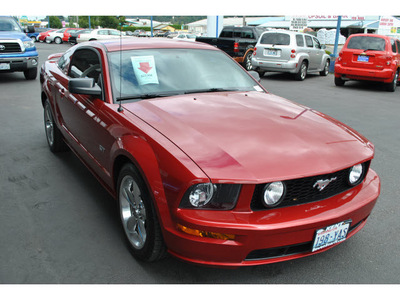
(34, 62)
(209, 234)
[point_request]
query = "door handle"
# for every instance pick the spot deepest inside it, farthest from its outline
(62, 92)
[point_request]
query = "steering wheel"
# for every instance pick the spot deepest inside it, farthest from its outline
(90, 69)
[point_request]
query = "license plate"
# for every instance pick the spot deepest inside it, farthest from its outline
(272, 52)
(363, 58)
(4, 66)
(330, 235)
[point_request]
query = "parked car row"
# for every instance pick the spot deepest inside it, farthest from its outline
(365, 57)
(368, 57)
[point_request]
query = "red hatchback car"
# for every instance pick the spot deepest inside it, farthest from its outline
(369, 57)
(67, 33)
(204, 163)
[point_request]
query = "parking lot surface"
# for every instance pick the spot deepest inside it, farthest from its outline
(58, 224)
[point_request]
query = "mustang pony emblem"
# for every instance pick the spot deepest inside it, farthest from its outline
(321, 184)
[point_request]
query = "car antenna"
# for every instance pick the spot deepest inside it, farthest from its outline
(120, 109)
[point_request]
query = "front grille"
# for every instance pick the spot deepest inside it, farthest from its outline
(9, 47)
(300, 191)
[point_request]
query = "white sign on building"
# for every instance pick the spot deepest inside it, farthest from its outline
(298, 23)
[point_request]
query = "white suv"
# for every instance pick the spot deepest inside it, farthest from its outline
(288, 51)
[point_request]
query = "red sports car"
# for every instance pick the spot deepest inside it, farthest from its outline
(204, 163)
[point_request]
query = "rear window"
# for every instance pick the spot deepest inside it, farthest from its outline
(275, 38)
(367, 43)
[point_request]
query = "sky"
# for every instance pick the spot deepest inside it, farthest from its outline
(203, 7)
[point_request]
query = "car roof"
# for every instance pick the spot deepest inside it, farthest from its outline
(132, 43)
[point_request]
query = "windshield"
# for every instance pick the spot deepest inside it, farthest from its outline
(367, 43)
(9, 24)
(166, 72)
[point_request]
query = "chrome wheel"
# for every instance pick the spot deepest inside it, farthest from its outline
(133, 212)
(49, 125)
(303, 71)
(248, 63)
(325, 71)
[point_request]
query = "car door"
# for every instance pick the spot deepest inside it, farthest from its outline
(312, 53)
(87, 117)
(319, 54)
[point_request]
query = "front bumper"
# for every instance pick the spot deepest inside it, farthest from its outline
(385, 75)
(19, 62)
(268, 236)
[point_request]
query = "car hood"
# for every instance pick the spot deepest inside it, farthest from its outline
(253, 137)
(13, 35)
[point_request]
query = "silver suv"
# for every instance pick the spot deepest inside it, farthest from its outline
(288, 51)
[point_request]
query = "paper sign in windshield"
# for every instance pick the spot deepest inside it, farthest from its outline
(145, 69)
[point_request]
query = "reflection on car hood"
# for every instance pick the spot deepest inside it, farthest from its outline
(14, 35)
(253, 137)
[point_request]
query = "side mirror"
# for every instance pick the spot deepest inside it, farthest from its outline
(84, 86)
(255, 75)
(323, 47)
(31, 29)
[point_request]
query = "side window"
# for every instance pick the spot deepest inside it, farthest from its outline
(309, 41)
(394, 50)
(317, 44)
(64, 60)
(226, 33)
(102, 32)
(247, 34)
(398, 46)
(299, 40)
(85, 63)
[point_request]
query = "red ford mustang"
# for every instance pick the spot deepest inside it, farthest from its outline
(204, 162)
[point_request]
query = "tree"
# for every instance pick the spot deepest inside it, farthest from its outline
(108, 22)
(55, 22)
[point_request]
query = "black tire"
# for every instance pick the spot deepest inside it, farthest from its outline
(248, 65)
(31, 74)
(58, 40)
(302, 73)
(391, 87)
(53, 135)
(325, 71)
(339, 81)
(261, 73)
(138, 216)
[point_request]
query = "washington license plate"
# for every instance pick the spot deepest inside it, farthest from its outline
(4, 66)
(331, 235)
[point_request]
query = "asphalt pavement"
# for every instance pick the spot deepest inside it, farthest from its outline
(58, 224)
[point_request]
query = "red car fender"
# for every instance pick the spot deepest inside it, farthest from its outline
(140, 152)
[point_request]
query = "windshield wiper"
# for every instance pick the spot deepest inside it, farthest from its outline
(210, 90)
(145, 96)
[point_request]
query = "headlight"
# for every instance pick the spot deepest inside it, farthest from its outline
(211, 196)
(29, 44)
(273, 193)
(356, 174)
(201, 194)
